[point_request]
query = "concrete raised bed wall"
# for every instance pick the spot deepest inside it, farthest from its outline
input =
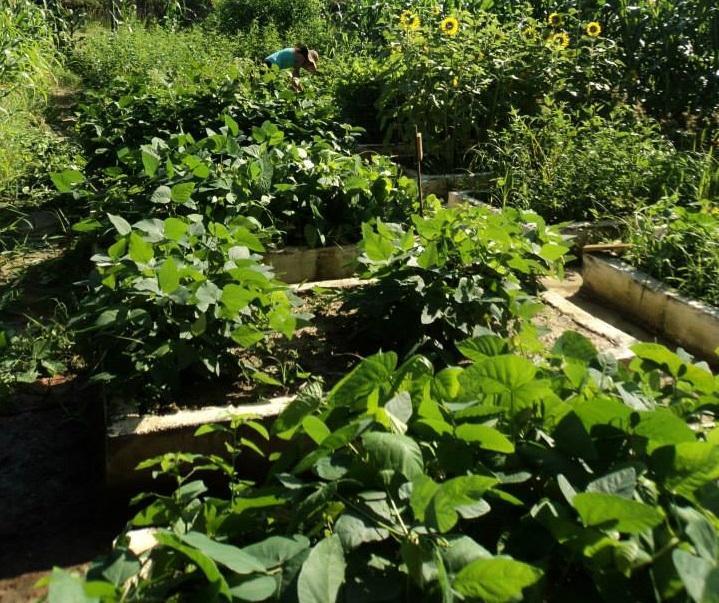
(692, 324)
(302, 264)
(132, 439)
(442, 184)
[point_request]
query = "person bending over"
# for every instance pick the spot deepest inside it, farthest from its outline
(297, 58)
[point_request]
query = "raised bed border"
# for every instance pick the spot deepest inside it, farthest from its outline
(304, 264)
(692, 324)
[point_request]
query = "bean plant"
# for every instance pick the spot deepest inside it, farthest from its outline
(570, 477)
(453, 274)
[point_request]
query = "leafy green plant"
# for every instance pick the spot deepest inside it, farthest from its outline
(678, 245)
(176, 297)
(307, 192)
(454, 274)
(567, 477)
(581, 165)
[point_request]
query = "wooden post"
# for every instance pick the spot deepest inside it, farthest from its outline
(420, 155)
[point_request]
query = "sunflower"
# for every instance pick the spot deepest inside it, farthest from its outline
(594, 29)
(555, 20)
(449, 26)
(408, 20)
(560, 40)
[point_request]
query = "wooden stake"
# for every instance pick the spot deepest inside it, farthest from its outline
(607, 247)
(420, 155)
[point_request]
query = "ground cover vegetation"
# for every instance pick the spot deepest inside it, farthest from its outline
(150, 154)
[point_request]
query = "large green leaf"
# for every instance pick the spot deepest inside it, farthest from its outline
(66, 180)
(495, 580)
(322, 573)
(206, 565)
(237, 560)
(168, 276)
(355, 530)
(688, 466)
(453, 496)
(140, 250)
(255, 588)
(394, 453)
(662, 426)
(371, 373)
(700, 577)
(485, 437)
(611, 512)
(508, 376)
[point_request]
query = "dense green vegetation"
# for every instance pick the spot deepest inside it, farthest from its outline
(149, 165)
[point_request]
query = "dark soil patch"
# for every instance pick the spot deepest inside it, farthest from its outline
(54, 509)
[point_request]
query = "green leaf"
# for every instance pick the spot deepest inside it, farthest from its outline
(258, 588)
(461, 551)
(247, 336)
(701, 532)
(276, 550)
(315, 428)
(306, 402)
(182, 192)
(377, 247)
(322, 573)
(370, 374)
(235, 297)
(66, 180)
(121, 225)
(141, 251)
(162, 195)
(174, 229)
(452, 496)
(611, 512)
(168, 276)
(511, 377)
(698, 575)
(662, 426)
(621, 482)
(231, 557)
(150, 160)
(479, 348)
(354, 531)
(574, 345)
(87, 225)
(497, 579)
(486, 437)
(687, 466)
(206, 565)
(394, 452)
(66, 588)
(552, 252)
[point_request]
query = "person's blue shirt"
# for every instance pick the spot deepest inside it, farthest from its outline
(284, 59)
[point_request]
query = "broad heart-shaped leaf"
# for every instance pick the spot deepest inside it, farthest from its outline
(687, 467)
(465, 491)
(485, 437)
(141, 251)
(478, 348)
(247, 335)
(66, 180)
(150, 160)
(662, 426)
(175, 229)
(121, 225)
(621, 483)
(394, 452)
(162, 195)
(276, 550)
(66, 588)
(508, 376)
(237, 560)
(574, 345)
(616, 513)
(496, 579)
(377, 247)
(206, 565)
(354, 531)
(699, 576)
(461, 551)
(182, 192)
(255, 588)
(354, 388)
(322, 573)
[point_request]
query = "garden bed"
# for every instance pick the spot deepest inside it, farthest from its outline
(442, 184)
(692, 324)
(132, 438)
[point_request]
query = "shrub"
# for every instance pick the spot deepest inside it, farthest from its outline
(454, 274)
(234, 16)
(582, 165)
(175, 297)
(678, 245)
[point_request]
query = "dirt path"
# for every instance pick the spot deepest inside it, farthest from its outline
(53, 509)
